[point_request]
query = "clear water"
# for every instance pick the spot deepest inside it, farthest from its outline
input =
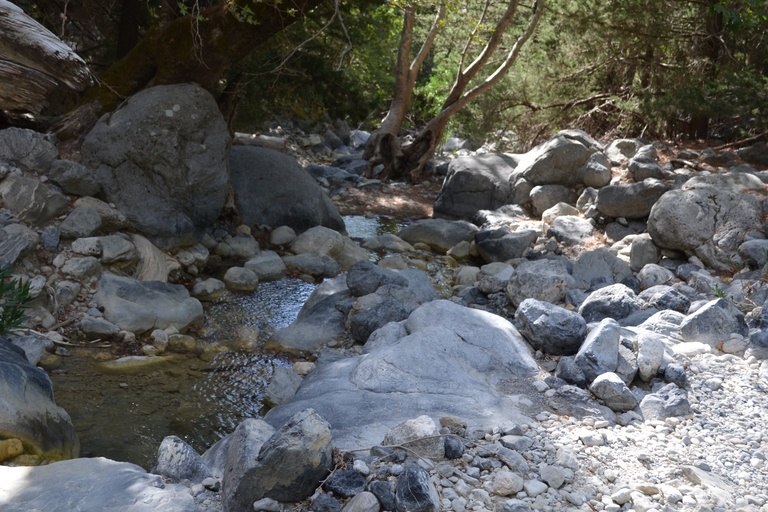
(363, 227)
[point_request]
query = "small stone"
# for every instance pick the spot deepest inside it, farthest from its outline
(266, 505)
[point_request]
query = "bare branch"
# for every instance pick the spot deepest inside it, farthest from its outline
(350, 46)
(424, 50)
(472, 36)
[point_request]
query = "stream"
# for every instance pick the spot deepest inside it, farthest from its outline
(125, 417)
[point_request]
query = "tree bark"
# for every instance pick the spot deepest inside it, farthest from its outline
(196, 48)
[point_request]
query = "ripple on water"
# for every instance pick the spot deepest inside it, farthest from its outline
(126, 417)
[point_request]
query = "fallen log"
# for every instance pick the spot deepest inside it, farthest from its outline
(266, 141)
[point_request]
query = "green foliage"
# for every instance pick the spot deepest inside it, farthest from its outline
(717, 291)
(14, 298)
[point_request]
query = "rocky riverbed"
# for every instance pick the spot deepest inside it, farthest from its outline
(580, 327)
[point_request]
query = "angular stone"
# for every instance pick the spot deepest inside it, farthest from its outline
(178, 461)
(612, 390)
(414, 491)
(599, 352)
(615, 301)
(549, 328)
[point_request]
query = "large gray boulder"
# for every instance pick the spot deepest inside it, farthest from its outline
(90, 485)
(28, 149)
(28, 411)
(632, 201)
(707, 223)
(288, 466)
(714, 323)
(559, 161)
(161, 158)
(475, 183)
(74, 178)
(599, 267)
(141, 306)
(178, 461)
(439, 234)
(545, 280)
(616, 301)
(599, 353)
(502, 244)
(455, 360)
(757, 153)
(272, 189)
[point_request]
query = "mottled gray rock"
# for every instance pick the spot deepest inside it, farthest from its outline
(282, 235)
(545, 280)
(414, 491)
(707, 223)
(599, 267)
(543, 197)
(267, 265)
(111, 219)
(571, 230)
(74, 178)
(139, 307)
(757, 153)
(82, 269)
(161, 158)
(664, 297)
(31, 201)
(419, 436)
(549, 328)
(597, 171)
(599, 352)
(615, 301)
(97, 328)
(273, 189)
(754, 252)
(90, 485)
(239, 247)
(312, 264)
(643, 167)
(82, 222)
(733, 182)
(28, 411)
(364, 277)
(475, 183)
(630, 201)
(570, 372)
(669, 401)
(559, 160)
(236, 459)
(622, 149)
(713, 323)
(503, 244)
(642, 252)
(654, 275)
(178, 461)
(440, 234)
(28, 149)
(12, 246)
(345, 483)
(241, 279)
(208, 289)
(318, 240)
(650, 354)
(612, 390)
(282, 386)
(367, 321)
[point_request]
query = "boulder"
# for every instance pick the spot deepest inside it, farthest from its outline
(235, 458)
(643, 251)
(714, 323)
(757, 153)
(669, 401)
(28, 149)
(319, 240)
(345, 483)
(90, 485)
(502, 244)
(282, 386)
(643, 167)
(82, 222)
(597, 171)
(161, 157)
(420, 436)
(333, 175)
(622, 149)
(450, 364)
(612, 390)
(141, 306)
(599, 353)
(544, 197)
(706, 223)
(549, 328)
(733, 182)
(415, 492)
(31, 201)
(241, 279)
(571, 230)
(111, 219)
(545, 280)
(650, 354)
(177, 461)
(28, 411)
(74, 178)
(12, 246)
(632, 201)
(240, 247)
(475, 183)
(616, 301)
(312, 264)
(664, 297)
(289, 467)
(439, 234)
(267, 265)
(559, 160)
(599, 267)
(272, 189)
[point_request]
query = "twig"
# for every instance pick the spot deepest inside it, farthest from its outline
(740, 142)
(64, 323)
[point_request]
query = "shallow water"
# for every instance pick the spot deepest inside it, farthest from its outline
(363, 227)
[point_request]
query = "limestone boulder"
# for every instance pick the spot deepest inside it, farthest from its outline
(28, 149)
(439, 234)
(161, 158)
(559, 160)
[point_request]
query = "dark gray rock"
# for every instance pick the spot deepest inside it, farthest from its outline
(630, 201)
(568, 371)
(82, 222)
(272, 189)
(504, 215)
(440, 234)
(12, 246)
(282, 386)
(454, 448)
(383, 492)
(367, 321)
(335, 176)
(414, 491)
(161, 159)
(549, 328)
(450, 364)
(664, 297)
(667, 402)
(642, 252)
(178, 461)
(611, 389)
(758, 345)
(544, 197)
(364, 277)
(502, 244)
(31, 201)
(571, 230)
(616, 301)
(345, 483)
(475, 183)
(600, 350)
(325, 503)
(643, 167)
(674, 373)
(757, 153)
(235, 458)
(713, 323)
(28, 411)
(577, 402)
(74, 178)
(49, 239)
(141, 306)
(597, 268)
(28, 149)
(626, 367)
(97, 328)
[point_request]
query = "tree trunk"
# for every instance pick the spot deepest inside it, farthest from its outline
(190, 49)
